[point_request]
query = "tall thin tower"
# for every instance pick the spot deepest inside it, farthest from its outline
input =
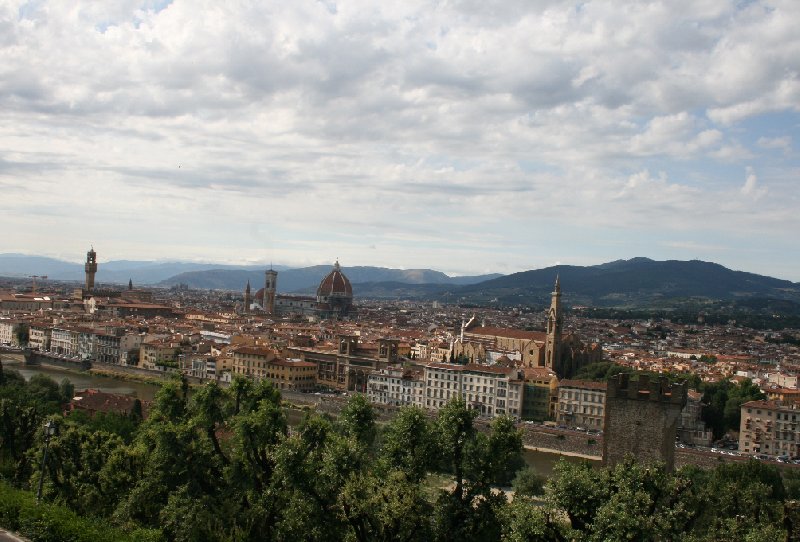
(270, 286)
(247, 297)
(90, 268)
(552, 352)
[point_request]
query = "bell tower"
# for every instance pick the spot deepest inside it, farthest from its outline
(247, 300)
(552, 353)
(270, 286)
(91, 269)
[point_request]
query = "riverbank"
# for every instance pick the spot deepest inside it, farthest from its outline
(154, 380)
(577, 455)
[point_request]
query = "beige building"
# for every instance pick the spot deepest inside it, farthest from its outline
(261, 363)
(39, 337)
(158, 355)
(541, 394)
(770, 428)
(480, 342)
(581, 403)
(292, 374)
(252, 361)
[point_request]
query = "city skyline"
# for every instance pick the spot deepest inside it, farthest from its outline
(463, 137)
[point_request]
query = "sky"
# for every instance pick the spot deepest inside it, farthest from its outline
(466, 136)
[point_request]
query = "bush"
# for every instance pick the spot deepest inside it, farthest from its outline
(51, 523)
(529, 483)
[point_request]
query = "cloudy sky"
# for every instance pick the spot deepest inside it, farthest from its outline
(467, 136)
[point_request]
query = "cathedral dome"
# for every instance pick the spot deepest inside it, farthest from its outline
(335, 284)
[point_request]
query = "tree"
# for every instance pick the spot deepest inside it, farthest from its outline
(723, 401)
(523, 522)
(385, 508)
(358, 419)
(409, 445)
(528, 483)
(67, 390)
(22, 334)
(312, 467)
(471, 510)
(72, 474)
(629, 502)
(495, 458)
(455, 429)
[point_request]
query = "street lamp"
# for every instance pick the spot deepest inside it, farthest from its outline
(49, 431)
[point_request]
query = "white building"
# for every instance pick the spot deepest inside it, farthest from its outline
(8, 332)
(396, 386)
(492, 391)
(64, 341)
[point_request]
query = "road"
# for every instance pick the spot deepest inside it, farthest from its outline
(5, 536)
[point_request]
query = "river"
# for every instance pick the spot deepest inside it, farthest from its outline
(82, 380)
(543, 462)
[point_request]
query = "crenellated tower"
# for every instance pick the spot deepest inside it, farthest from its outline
(641, 419)
(91, 269)
(247, 300)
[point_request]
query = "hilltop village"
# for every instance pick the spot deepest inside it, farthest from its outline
(528, 364)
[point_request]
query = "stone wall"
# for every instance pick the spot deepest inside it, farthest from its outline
(641, 419)
(562, 441)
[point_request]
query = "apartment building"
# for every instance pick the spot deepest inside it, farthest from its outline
(492, 391)
(396, 386)
(541, 394)
(64, 341)
(581, 403)
(39, 337)
(770, 428)
(157, 355)
(292, 374)
(252, 361)
(8, 332)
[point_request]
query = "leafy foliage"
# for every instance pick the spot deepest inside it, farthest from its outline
(223, 464)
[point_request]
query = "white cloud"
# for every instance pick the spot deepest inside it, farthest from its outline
(438, 126)
(751, 187)
(783, 143)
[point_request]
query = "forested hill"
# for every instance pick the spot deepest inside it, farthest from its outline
(636, 281)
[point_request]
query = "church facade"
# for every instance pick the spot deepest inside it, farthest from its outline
(551, 349)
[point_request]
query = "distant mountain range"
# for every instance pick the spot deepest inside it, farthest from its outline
(217, 276)
(634, 282)
(115, 271)
(306, 279)
(638, 282)
(624, 283)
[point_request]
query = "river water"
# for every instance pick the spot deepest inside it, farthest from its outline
(543, 462)
(83, 380)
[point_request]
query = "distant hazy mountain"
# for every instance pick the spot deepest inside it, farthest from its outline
(306, 279)
(119, 271)
(20, 265)
(636, 281)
